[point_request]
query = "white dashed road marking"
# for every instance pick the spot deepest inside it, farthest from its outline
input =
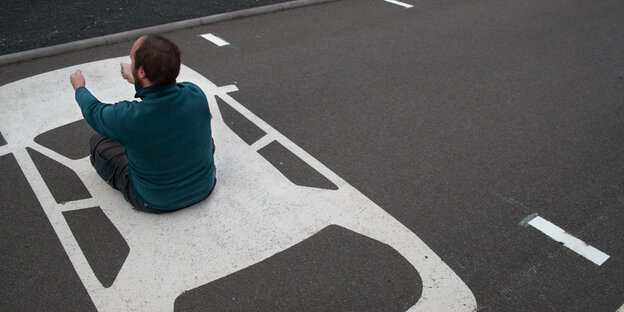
(558, 234)
(216, 40)
(403, 4)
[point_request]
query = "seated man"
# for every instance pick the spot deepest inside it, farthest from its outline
(158, 151)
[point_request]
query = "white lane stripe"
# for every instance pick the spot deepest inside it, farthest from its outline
(405, 5)
(214, 39)
(558, 234)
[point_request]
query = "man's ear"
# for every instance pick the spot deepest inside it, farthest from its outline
(141, 72)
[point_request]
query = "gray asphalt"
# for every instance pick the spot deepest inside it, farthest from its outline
(26, 25)
(459, 118)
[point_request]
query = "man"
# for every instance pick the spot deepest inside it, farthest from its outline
(158, 151)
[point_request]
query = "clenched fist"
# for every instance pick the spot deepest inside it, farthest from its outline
(77, 80)
(126, 72)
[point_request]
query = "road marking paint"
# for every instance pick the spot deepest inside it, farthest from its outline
(214, 39)
(558, 234)
(262, 142)
(621, 309)
(405, 5)
(4, 150)
(77, 204)
(269, 215)
(526, 220)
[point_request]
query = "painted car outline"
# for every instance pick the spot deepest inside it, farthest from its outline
(241, 232)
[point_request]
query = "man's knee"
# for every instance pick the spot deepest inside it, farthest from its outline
(94, 141)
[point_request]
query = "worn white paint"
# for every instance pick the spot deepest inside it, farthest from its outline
(254, 212)
(216, 40)
(558, 234)
(403, 4)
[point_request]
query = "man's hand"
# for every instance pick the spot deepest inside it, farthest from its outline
(126, 72)
(77, 80)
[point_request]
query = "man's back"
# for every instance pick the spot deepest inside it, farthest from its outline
(158, 151)
(167, 138)
(169, 145)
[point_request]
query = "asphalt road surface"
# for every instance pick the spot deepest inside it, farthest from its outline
(461, 119)
(26, 25)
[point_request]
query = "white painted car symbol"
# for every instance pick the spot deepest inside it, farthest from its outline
(254, 212)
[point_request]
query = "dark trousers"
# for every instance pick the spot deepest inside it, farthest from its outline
(109, 160)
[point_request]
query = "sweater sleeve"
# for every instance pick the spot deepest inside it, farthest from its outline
(103, 118)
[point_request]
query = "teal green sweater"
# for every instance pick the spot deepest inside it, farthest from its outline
(168, 141)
